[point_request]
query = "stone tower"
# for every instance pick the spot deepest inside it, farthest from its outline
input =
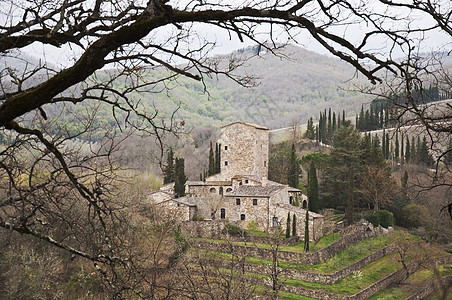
(244, 150)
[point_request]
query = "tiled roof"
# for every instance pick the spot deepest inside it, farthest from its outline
(207, 183)
(254, 190)
(248, 124)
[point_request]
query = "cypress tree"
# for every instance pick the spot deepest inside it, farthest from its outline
(383, 143)
(413, 153)
(330, 132)
(288, 225)
(179, 184)
(169, 171)
(408, 150)
(211, 161)
(343, 117)
(334, 124)
(396, 152)
(294, 225)
(217, 158)
(402, 154)
(424, 156)
(387, 146)
(404, 180)
(313, 188)
(418, 149)
(292, 177)
(306, 232)
(200, 177)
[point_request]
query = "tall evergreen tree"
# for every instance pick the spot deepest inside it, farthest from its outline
(404, 181)
(292, 177)
(288, 225)
(383, 142)
(294, 225)
(179, 184)
(333, 129)
(408, 150)
(413, 153)
(217, 158)
(169, 172)
(310, 132)
(396, 151)
(402, 153)
(424, 156)
(211, 161)
(313, 188)
(306, 232)
(387, 146)
(343, 117)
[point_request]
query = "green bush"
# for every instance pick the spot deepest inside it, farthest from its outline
(234, 230)
(386, 218)
(381, 217)
(373, 218)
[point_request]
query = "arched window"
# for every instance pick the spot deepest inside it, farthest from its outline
(290, 199)
(305, 204)
(212, 190)
(223, 213)
(228, 190)
(242, 217)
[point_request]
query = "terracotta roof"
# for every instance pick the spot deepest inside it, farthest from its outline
(247, 124)
(255, 190)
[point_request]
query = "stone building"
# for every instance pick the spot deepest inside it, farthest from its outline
(241, 193)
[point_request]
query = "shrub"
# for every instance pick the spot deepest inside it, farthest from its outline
(234, 230)
(381, 217)
(386, 218)
(373, 218)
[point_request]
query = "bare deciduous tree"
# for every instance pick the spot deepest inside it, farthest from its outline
(62, 193)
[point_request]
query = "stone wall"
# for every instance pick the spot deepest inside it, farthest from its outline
(430, 288)
(301, 258)
(311, 276)
(397, 276)
(247, 150)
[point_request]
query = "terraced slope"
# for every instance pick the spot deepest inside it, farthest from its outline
(366, 263)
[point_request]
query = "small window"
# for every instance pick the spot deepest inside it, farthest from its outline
(223, 213)
(225, 147)
(254, 201)
(246, 181)
(237, 201)
(290, 199)
(228, 190)
(213, 190)
(265, 163)
(178, 204)
(305, 204)
(242, 217)
(240, 182)
(275, 221)
(225, 162)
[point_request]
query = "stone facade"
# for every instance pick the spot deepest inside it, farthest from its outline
(244, 150)
(241, 193)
